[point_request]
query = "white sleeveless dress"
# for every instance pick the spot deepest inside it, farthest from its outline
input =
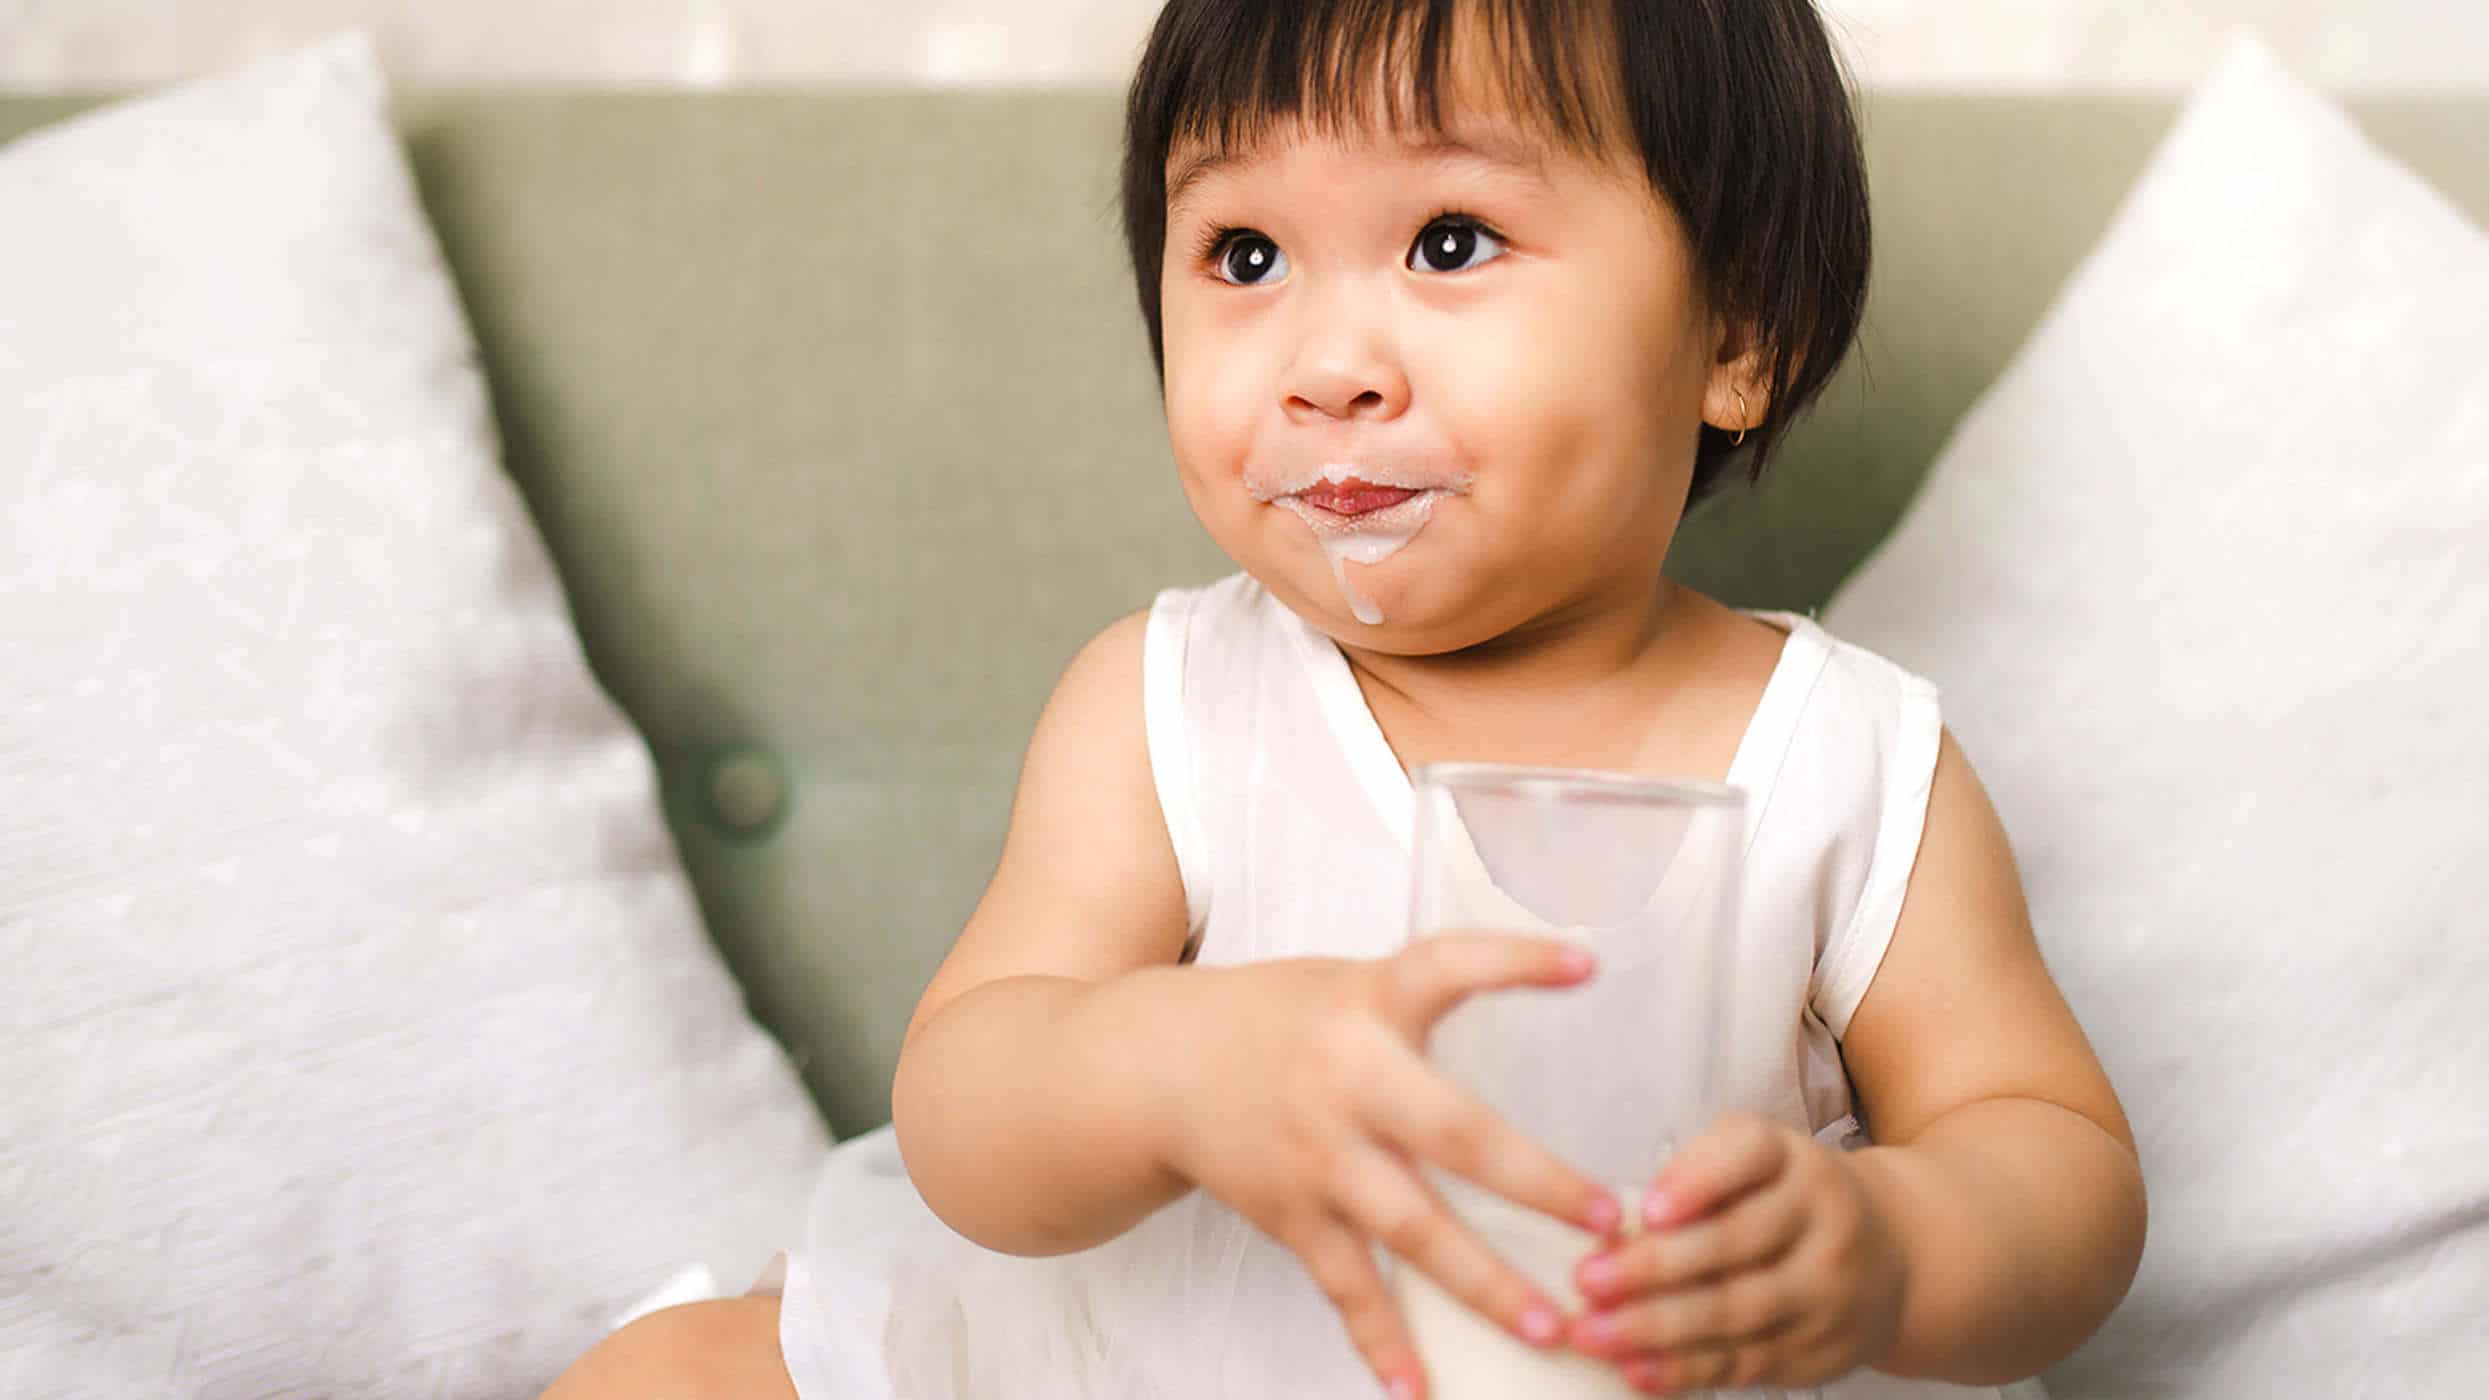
(1269, 766)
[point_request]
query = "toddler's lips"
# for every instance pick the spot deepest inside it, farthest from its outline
(1353, 497)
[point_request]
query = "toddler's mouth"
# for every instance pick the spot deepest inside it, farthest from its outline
(1354, 497)
(1346, 493)
(1356, 519)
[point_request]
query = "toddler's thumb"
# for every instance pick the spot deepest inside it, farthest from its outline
(1436, 973)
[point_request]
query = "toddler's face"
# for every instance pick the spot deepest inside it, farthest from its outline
(1454, 383)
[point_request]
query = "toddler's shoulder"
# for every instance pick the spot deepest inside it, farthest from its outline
(1840, 828)
(1857, 699)
(1861, 737)
(1228, 602)
(1214, 632)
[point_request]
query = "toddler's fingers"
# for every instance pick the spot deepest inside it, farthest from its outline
(1342, 1266)
(1434, 1120)
(1429, 977)
(1742, 1308)
(1737, 1154)
(1751, 1234)
(1383, 1197)
(1739, 1365)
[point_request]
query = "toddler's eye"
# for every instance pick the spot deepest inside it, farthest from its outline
(1454, 245)
(1250, 260)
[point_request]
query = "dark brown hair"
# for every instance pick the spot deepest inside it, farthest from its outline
(1737, 108)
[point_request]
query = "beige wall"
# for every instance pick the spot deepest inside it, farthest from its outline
(2153, 43)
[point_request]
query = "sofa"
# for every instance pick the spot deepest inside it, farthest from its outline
(836, 483)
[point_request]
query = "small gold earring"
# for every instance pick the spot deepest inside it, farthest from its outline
(1741, 412)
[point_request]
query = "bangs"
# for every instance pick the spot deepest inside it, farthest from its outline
(1403, 66)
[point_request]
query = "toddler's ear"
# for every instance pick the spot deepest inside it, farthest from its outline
(1739, 394)
(1736, 399)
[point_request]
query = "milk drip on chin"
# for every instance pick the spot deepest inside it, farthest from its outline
(1344, 550)
(1367, 541)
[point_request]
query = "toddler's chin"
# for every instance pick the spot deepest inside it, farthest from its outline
(1399, 617)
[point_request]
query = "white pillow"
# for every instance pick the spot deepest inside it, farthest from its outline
(358, 1029)
(2205, 577)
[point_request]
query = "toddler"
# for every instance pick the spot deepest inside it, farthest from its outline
(1459, 306)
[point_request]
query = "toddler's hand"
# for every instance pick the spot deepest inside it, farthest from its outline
(1305, 1102)
(1764, 1262)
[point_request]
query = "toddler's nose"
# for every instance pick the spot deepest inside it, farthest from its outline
(1345, 369)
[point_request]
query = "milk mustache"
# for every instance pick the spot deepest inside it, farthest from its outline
(1364, 540)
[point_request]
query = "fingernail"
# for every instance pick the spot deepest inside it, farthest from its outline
(1579, 964)
(1645, 1374)
(1656, 1207)
(1596, 1330)
(1604, 1215)
(1403, 1388)
(1541, 1327)
(1601, 1274)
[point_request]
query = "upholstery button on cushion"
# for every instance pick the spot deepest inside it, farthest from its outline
(747, 791)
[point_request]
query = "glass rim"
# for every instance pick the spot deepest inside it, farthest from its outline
(1598, 783)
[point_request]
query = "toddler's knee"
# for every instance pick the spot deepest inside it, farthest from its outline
(726, 1349)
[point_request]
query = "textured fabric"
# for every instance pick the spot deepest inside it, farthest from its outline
(793, 379)
(2203, 580)
(358, 1031)
(1255, 721)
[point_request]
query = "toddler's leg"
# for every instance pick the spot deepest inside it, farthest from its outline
(726, 1349)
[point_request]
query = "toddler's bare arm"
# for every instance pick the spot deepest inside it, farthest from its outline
(2008, 1172)
(1023, 1094)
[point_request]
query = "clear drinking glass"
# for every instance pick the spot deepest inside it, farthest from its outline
(1610, 1075)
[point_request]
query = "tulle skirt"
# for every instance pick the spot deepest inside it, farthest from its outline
(882, 1301)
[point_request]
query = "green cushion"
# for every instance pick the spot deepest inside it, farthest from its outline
(835, 411)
